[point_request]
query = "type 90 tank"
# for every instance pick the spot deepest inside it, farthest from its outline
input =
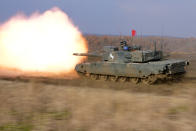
(130, 63)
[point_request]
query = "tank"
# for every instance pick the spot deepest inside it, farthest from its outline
(130, 63)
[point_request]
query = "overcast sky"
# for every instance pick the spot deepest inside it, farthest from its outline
(149, 17)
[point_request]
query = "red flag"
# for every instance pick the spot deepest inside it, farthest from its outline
(133, 33)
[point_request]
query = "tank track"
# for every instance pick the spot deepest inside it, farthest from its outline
(152, 79)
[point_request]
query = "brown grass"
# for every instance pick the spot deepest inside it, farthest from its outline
(38, 106)
(52, 104)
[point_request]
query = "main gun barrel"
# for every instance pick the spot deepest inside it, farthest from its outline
(87, 54)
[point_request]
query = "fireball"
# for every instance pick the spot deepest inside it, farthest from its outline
(41, 42)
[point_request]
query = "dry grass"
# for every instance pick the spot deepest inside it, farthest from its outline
(37, 106)
(49, 104)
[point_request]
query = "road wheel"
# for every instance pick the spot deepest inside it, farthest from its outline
(135, 80)
(87, 75)
(149, 80)
(104, 77)
(122, 79)
(113, 78)
(145, 81)
(94, 76)
(152, 79)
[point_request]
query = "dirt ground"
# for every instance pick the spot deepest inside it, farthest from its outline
(76, 104)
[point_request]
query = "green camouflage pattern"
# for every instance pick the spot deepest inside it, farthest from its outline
(138, 65)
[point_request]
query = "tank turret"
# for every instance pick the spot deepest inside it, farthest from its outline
(125, 54)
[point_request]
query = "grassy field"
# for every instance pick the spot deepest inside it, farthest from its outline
(78, 104)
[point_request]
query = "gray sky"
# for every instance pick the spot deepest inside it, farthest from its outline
(151, 17)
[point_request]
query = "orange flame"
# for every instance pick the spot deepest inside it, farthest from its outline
(42, 42)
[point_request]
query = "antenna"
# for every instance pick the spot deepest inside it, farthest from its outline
(161, 45)
(142, 54)
(120, 36)
(162, 32)
(141, 37)
(155, 47)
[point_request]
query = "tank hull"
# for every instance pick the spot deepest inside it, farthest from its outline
(133, 69)
(160, 69)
